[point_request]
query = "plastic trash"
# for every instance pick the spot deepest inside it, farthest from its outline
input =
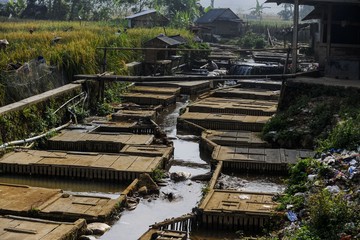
(311, 177)
(333, 189)
(291, 216)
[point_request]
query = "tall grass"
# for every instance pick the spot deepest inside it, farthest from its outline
(76, 52)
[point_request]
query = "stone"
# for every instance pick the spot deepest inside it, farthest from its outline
(143, 190)
(146, 181)
(179, 176)
(87, 237)
(98, 228)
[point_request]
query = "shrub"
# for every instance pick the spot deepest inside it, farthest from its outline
(252, 40)
(328, 214)
(345, 134)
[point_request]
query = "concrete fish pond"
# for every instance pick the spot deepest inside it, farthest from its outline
(173, 178)
(13, 227)
(54, 204)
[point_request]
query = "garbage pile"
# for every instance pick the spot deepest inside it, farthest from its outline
(332, 197)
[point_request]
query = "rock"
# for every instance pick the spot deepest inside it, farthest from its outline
(146, 181)
(171, 195)
(179, 176)
(202, 177)
(87, 237)
(143, 190)
(98, 228)
(65, 195)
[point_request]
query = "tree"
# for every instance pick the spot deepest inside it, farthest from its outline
(181, 12)
(137, 5)
(258, 9)
(15, 8)
(287, 13)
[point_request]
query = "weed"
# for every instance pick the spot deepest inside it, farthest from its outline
(158, 174)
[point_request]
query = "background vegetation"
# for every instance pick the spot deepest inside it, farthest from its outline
(74, 53)
(316, 116)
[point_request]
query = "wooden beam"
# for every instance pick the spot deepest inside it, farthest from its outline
(121, 78)
(295, 37)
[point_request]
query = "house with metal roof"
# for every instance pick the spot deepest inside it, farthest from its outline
(152, 55)
(338, 43)
(147, 18)
(220, 21)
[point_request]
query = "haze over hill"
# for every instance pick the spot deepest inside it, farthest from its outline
(242, 6)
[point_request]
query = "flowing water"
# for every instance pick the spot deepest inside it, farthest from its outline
(132, 224)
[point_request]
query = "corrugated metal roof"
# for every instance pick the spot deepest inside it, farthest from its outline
(142, 13)
(169, 41)
(179, 38)
(217, 14)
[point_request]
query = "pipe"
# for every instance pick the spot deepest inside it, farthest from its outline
(67, 102)
(23, 141)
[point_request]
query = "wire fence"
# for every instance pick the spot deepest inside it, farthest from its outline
(31, 78)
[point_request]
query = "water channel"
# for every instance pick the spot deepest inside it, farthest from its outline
(187, 158)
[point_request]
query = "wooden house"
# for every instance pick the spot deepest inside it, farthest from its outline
(148, 18)
(153, 56)
(160, 55)
(338, 39)
(220, 21)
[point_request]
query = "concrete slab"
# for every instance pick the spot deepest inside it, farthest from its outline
(126, 126)
(12, 227)
(236, 210)
(163, 151)
(238, 106)
(96, 142)
(187, 87)
(251, 93)
(54, 204)
(235, 138)
(216, 121)
(149, 98)
(125, 115)
(238, 202)
(163, 235)
(157, 90)
(257, 159)
(116, 167)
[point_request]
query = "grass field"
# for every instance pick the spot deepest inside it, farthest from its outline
(76, 51)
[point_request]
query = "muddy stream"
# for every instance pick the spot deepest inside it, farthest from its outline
(187, 194)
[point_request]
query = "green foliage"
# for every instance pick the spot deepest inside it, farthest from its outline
(346, 134)
(104, 109)
(298, 175)
(258, 9)
(80, 113)
(304, 233)
(329, 213)
(287, 13)
(322, 117)
(205, 190)
(113, 91)
(252, 40)
(158, 174)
